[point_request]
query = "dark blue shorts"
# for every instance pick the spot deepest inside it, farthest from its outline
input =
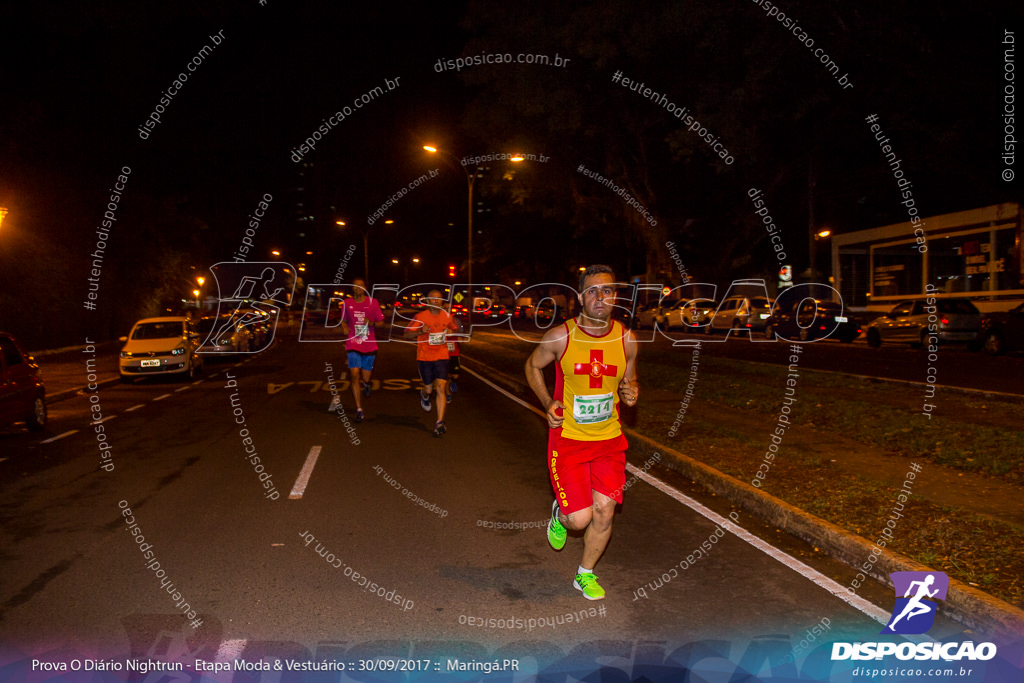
(433, 369)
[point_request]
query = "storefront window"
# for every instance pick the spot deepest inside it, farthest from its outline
(895, 271)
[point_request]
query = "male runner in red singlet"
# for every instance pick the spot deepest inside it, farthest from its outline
(596, 366)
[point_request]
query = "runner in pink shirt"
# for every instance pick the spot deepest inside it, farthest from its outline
(361, 315)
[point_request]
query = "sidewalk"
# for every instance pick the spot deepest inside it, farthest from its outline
(64, 370)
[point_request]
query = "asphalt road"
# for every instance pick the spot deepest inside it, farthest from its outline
(284, 576)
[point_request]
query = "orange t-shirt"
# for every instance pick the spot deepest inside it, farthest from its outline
(432, 345)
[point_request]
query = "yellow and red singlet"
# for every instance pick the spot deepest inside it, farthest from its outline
(587, 382)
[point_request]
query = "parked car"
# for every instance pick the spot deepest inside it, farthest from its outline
(811, 319)
(741, 312)
(22, 394)
(524, 311)
(161, 346)
(955, 320)
(495, 311)
(1003, 331)
(259, 326)
(650, 314)
(689, 314)
(548, 314)
(230, 336)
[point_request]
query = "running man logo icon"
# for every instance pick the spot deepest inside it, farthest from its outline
(914, 613)
(249, 295)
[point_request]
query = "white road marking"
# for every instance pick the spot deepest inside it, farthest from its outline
(180, 389)
(160, 398)
(59, 436)
(304, 474)
(108, 417)
(855, 601)
(508, 395)
(868, 608)
(229, 651)
(134, 408)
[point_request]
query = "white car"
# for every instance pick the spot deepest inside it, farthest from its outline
(160, 346)
(739, 313)
(652, 314)
(689, 314)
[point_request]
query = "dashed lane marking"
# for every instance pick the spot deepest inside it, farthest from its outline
(307, 471)
(60, 436)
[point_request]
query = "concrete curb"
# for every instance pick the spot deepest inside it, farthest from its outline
(973, 608)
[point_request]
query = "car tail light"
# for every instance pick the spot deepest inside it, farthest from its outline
(945, 320)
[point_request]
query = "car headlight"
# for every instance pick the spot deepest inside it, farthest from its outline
(126, 354)
(180, 351)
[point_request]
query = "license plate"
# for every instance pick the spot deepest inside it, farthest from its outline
(154, 363)
(841, 319)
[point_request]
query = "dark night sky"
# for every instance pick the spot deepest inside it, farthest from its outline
(79, 79)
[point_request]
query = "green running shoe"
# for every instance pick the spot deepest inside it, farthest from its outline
(587, 584)
(556, 532)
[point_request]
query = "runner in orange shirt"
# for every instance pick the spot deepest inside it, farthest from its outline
(454, 359)
(430, 328)
(596, 368)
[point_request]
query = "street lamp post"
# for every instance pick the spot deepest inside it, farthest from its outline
(366, 246)
(470, 179)
(198, 292)
(405, 267)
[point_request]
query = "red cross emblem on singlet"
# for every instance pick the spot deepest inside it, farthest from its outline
(595, 368)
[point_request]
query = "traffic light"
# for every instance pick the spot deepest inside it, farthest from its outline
(451, 271)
